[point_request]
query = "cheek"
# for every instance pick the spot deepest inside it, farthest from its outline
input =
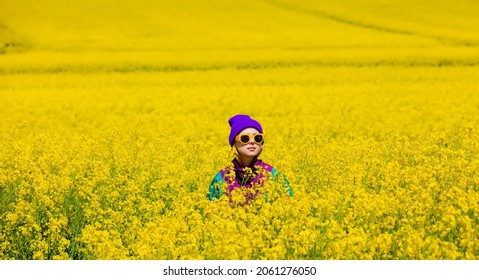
(242, 150)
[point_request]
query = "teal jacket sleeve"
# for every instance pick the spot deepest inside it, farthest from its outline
(278, 177)
(215, 190)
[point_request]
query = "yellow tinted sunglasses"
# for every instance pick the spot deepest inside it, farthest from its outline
(244, 138)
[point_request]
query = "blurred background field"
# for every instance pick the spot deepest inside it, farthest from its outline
(114, 121)
(124, 36)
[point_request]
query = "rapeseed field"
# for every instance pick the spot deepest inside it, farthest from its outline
(114, 122)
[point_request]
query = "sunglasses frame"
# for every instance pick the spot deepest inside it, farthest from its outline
(251, 136)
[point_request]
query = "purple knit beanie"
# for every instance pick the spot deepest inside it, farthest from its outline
(240, 122)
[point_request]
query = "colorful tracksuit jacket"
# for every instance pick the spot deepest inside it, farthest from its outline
(244, 179)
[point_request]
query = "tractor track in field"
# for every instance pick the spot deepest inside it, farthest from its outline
(236, 66)
(360, 24)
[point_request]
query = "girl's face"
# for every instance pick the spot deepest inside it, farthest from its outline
(250, 149)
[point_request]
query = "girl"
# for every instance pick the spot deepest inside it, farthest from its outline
(246, 171)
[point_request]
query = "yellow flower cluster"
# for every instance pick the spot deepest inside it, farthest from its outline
(137, 190)
(113, 126)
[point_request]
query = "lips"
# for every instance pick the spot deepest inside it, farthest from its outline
(252, 149)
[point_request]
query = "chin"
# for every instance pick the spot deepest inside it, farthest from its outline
(255, 154)
(250, 154)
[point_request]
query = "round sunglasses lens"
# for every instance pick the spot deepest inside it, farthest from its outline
(244, 138)
(258, 138)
